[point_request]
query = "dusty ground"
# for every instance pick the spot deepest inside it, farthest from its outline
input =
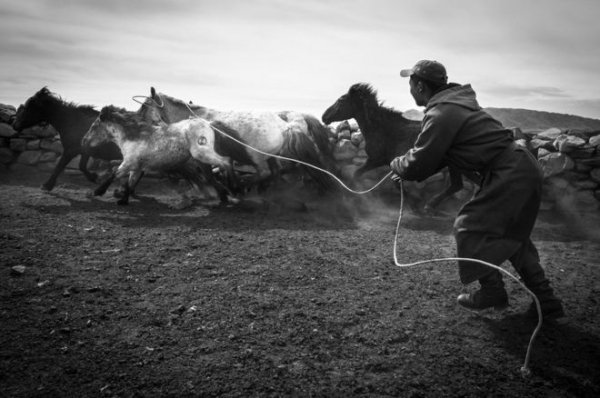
(253, 300)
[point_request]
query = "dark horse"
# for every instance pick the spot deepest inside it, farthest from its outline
(386, 132)
(71, 121)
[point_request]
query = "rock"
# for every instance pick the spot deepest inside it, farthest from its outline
(53, 145)
(74, 163)
(584, 185)
(585, 201)
(29, 157)
(344, 125)
(344, 150)
(356, 138)
(18, 270)
(585, 152)
(543, 152)
(18, 144)
(582, 168)
(6, 155)
(595, 175)
(550, 134)
(521, 142)
(48, 157)
(572, 175)
(344, 134)
(555, 163)
(32, 145)
(567, 143)
(595, 141)
(7, 131)
(45, 131)
(592, 162)
(518, 134)
(7, 113)
(539, 143)
(353, 125)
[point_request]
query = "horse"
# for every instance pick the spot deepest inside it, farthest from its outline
(71, 121)
(290, 134)
(387, 134)
(160, 147)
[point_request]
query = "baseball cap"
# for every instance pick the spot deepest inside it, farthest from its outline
(432, 71)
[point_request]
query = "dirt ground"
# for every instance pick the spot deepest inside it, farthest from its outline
(268, 299)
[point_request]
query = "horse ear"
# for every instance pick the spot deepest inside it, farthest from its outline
(152, 92)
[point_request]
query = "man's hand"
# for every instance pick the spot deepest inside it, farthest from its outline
(396, 165)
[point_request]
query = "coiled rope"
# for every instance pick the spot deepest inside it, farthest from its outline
(525, 369)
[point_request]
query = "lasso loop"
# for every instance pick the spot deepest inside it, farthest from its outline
(525, 370)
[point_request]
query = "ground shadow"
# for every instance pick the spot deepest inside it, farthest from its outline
(562, 353)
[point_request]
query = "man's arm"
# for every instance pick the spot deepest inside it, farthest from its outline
(438, 130)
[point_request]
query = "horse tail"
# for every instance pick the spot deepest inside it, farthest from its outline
(319, 134)
(298, 145)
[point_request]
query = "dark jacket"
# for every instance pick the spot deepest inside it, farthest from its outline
(455, 132)
(501, 215)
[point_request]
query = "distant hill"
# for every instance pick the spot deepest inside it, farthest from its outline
(539, 120)
(529, 120)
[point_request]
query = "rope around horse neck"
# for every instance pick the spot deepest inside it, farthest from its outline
(525, 370)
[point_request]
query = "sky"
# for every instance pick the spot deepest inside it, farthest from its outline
(300, 55)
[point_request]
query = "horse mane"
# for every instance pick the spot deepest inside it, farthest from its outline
(375, 110)
(46, 96)
(134, 125)
(182, 103)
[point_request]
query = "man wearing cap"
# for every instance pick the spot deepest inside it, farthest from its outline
(496, 224)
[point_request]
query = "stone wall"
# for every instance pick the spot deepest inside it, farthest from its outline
(570, 160)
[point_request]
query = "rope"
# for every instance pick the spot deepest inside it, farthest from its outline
(525, 369)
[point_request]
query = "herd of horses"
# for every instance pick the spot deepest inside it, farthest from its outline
(206, 146)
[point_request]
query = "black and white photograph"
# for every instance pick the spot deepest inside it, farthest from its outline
(319, 198)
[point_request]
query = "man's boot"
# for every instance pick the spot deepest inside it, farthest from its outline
(551, 305)
(527, 263)
(491, 294)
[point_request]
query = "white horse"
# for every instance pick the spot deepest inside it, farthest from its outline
(290, 134)
(158, 147)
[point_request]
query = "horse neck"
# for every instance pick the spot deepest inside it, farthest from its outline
(63, 116)
(368, 120)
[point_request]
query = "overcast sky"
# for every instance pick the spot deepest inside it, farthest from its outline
(300, 55)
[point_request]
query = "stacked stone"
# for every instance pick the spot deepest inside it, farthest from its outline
(36, 148)
(570, 160)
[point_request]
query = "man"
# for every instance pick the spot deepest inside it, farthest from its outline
(496, 224)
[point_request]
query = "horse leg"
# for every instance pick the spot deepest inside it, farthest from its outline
(118, 193)
(60, 166)
(267, 172)
(456, 184)
(134, 177)
(101, 189)
(222, 191)
(93, 177)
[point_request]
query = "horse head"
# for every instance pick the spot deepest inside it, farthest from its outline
(34, 111)
(114, 124)
(356, 102)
